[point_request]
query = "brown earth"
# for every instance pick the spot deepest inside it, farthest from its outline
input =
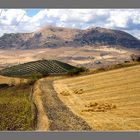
(58, 116)
(85, 56)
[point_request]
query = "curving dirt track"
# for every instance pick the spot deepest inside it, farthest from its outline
(59, 115)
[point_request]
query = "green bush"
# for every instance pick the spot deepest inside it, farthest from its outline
(77, 71)
(34, 77)
(82, 69)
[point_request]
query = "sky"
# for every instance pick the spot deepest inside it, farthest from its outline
(29, 20)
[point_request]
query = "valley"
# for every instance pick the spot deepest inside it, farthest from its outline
(80, 56)
(63, 79)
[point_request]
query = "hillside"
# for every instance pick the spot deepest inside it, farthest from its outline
(44, 67)
(107, 101)
(49, 37)
(52, 37)
(102, 36)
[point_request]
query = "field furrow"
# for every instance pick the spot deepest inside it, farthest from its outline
(109, 100)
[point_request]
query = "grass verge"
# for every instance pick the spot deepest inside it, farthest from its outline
(15, 108)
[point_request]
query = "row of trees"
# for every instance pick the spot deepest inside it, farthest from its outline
(77, 71)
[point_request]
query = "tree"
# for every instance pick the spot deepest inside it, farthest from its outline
(77, 71)
(34, 77)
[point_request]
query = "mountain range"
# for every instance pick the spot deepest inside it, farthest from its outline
(52, 37)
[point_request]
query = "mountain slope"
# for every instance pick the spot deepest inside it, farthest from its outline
(102, 36)
(58, 36)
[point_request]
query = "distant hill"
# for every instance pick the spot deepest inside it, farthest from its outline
(57, 36)
(102, 36)
(44, 67)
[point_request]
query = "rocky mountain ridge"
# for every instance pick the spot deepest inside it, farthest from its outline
(58, 36)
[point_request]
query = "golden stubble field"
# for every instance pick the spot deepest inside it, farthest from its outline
(71, 55)
(12, 80)
(107, 101)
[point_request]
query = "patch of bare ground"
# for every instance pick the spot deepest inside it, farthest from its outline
(84, 56)
(42, 120)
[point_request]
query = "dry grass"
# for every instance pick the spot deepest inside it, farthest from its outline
(15, 108)
(78, 91)
(42, 120)
(110, 101)
(10, 80)
(98, 107)
(10, 57)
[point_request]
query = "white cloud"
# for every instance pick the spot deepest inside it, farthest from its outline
(123, 19)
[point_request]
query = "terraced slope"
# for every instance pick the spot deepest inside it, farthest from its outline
(44, 67)
(107, 101)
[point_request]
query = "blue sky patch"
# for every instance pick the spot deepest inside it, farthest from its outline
(32, 12)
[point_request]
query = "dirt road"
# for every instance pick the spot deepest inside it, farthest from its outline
(59, 116)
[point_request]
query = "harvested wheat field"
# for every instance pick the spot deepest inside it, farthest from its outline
(11, 80)
(107, 100)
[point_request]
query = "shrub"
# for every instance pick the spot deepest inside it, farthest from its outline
(77, 71)
(135, 57)
(73, 72)
(34, 77)
(83, 69)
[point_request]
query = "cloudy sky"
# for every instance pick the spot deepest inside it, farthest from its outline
(28, 20)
